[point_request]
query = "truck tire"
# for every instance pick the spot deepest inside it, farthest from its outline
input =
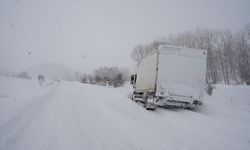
(133, 99)
(149, 105)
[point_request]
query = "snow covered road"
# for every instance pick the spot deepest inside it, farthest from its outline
(71, 115)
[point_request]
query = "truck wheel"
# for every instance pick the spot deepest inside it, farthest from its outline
(149, 105)
(133, 97)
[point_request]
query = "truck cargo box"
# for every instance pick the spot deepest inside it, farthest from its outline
(172, 74)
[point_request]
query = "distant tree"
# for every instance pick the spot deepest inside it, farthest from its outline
(118, 80)
(243, 47)
(24, 75)
(98, 79)
(91, 79)
(139, 52)
(114, 76)
(84, 78)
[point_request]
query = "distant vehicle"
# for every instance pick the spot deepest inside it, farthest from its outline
(171, 76)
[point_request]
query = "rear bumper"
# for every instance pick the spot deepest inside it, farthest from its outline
(178, 101)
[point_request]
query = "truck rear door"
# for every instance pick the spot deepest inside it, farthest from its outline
(181, 73)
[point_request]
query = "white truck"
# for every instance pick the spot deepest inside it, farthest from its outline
(171, 76)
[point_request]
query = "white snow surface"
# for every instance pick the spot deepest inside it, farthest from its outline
(75, 116)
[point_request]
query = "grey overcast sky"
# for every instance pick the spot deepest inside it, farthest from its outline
(86, 34)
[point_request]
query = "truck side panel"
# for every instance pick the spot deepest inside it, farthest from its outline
(146, 74)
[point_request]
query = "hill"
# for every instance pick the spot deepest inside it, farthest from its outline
(53, 71)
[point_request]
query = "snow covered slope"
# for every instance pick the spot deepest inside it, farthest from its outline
(6, 72)
(53, 71)
(71, 115)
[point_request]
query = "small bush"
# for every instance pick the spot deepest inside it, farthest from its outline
(209, 89)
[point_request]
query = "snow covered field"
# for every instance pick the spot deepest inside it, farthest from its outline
(72, 116)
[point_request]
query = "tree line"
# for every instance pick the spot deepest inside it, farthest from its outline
(228, 54)
(111, 76)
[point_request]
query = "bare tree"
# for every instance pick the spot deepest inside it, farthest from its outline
(243, 47)
(227, 54)
(114, 76)
(139, 52)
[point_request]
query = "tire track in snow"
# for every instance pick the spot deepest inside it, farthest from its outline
(13, 129)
